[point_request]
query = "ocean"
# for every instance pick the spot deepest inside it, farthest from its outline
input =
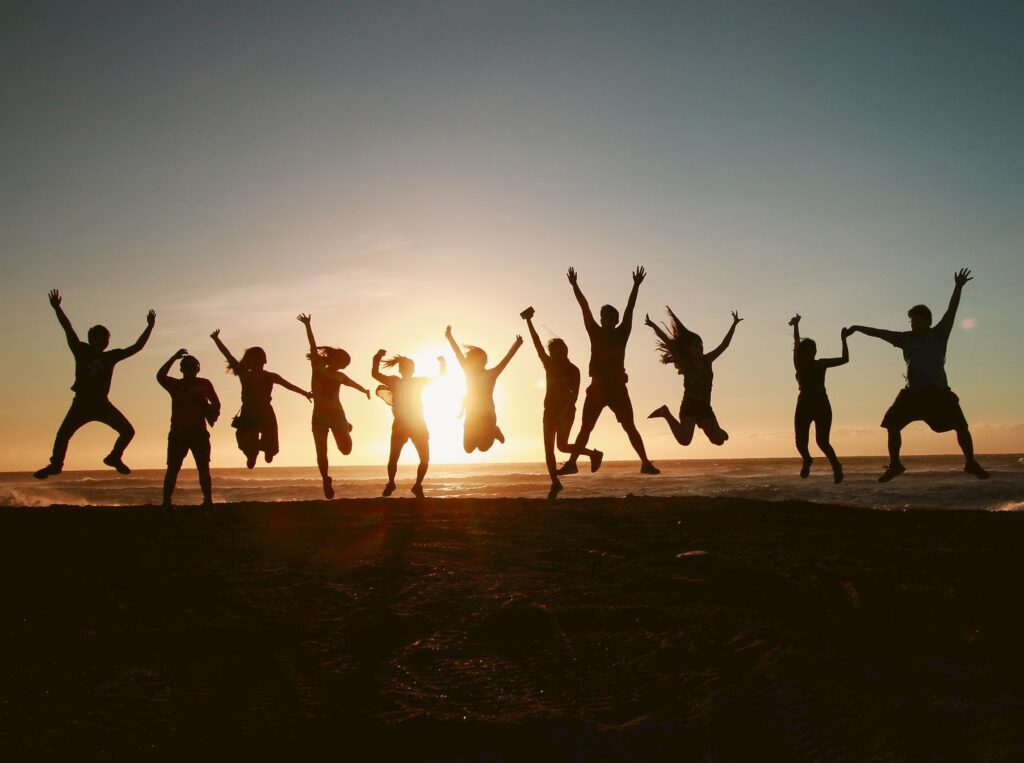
(931, 482)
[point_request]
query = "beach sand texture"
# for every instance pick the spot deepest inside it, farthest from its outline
(594, 629)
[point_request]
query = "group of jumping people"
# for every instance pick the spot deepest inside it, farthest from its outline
(195, 405)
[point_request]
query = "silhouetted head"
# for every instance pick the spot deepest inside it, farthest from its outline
(476, 358)
(406, 366)
(609, 317)
(99, 337)
(189, 367)
(253, 359)
(333, 357)
(558, 349)
(920, 318)
(683, 348)
(806, 350)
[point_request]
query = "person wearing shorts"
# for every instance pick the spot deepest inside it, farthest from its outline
(328, 418)
(927, 396)
(608, 374)
(194, 404)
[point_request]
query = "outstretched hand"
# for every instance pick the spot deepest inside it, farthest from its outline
(648, 321)
(962, 276)
(367, 393)
(54, 298)
(151, 318)
(794, 320)
(736, 317)
(380, 354)
(845, 333)
(572, 275)
(303, 318)
(519, 339)
(448, 332)
(308, 396)
(215, 334)
(639, 275)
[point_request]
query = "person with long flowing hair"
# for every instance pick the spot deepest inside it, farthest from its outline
(684, 349)
(256, 424)
(480, 427)
(328, 415)
(404, 393)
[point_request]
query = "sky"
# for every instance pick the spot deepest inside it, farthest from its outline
(392, 168)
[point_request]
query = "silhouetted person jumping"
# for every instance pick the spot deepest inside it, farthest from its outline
(404, 394)
(927, 396)
(328, 415)
(685, 350)
(608, 373)
(194, 404)
(560, 396)
(255, 425)
(812, 404)
(480, 428)
(94, 370)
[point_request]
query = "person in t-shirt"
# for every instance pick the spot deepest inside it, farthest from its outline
(328, 415)
(927, 396)
(404, 393)
(608, 373)
(685, 350)
(194, 404)
(562, 391)
(94, 370)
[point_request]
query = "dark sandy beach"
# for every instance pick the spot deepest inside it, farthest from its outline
(501, 630)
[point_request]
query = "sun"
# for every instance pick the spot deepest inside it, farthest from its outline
(443, 404)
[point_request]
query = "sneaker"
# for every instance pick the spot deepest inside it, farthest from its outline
(556, 488)
(268, 457)
(973, 467)
(47, 471)
(417, 490)
(569, 467)
(120, 466)
(805, 470)
(388, 489)
(837, 473)
(660, 413)
(891, 472)
(595, 461)
(328, 488)
(649, 468)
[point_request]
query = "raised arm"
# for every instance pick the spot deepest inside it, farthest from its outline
(307, 321)
(657, 329)
(455, 346)
(715, 353)
(62, 319)
(143, 337)
(215, 336)
(278, 379)
(537, 344)
(844, 358)
(889, 336)
(375, 368)
(960, 279)
(627, 317)
(795, 323)
(161, 375)
(588, 317)
(508, 355)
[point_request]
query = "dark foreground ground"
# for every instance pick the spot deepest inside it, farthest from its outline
(503, 630)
